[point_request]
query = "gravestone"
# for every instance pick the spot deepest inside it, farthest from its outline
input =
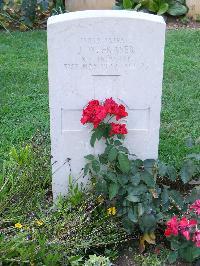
(97, 55)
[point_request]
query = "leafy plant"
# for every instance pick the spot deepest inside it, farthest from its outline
(160, 7)
(95, 260)
(184, 235)
(75, 195)
(24, 177)
(27, 14)
(177, 7)
(133, 186)
(63, 236)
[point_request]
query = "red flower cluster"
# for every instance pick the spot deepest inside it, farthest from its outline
(113, 108)
(196, 207)
(184, 226)
(118, 129)
(95, 113)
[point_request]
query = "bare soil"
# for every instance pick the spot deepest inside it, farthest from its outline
(177, 23)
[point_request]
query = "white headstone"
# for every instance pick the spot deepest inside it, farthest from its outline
(96, 55)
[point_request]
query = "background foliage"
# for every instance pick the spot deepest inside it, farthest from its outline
(27, 14)
(160, 7)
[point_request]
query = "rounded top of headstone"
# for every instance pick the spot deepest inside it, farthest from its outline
(104, 14)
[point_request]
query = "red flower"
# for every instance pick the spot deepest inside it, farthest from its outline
(172, 227)
(196, 238)
(94, 113)
(111, 106)
(168, 232)
(118, 129)
(121, 112)
(196, 207)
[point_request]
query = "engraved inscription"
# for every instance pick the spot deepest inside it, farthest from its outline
(97, 53)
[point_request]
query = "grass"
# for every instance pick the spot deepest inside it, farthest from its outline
(24, 91)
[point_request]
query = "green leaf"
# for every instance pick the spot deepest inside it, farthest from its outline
(190, 253)
(187, 171)
(133, 198)
(99, 133)
(93, 139)
(162, 169)
(171, 172)
(147, 223)
(89, 157)
(165, 196)
(175, 244)
(112, 154)
(138, 163)
(177, 9)
(101, 186)
(103, 158)
(128, 225)
(86, 169)
(140, 209)
(138, 6)
(123, 149)
(124, 163)
(117, 142)
(135, 180)
(165, 200)
(96, 166)
(148, 179)
(193, 196)
(163, 8)
(137, 190)
(148, 165)
(132, 216)
(122, 191)
(127, 4)
(177, 198)
(113, 190)
(153, 6)
(111, 176)
(173, 256)
(122, 179)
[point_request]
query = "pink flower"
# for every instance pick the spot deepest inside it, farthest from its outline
(196, 238)
(172, 227)
(185, 223)
(186, 234)
(196, 207)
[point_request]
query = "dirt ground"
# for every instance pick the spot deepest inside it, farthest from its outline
(177, 23)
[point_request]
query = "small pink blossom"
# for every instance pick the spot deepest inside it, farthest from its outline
(196, 238)
(196, 207)
(186, 234)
